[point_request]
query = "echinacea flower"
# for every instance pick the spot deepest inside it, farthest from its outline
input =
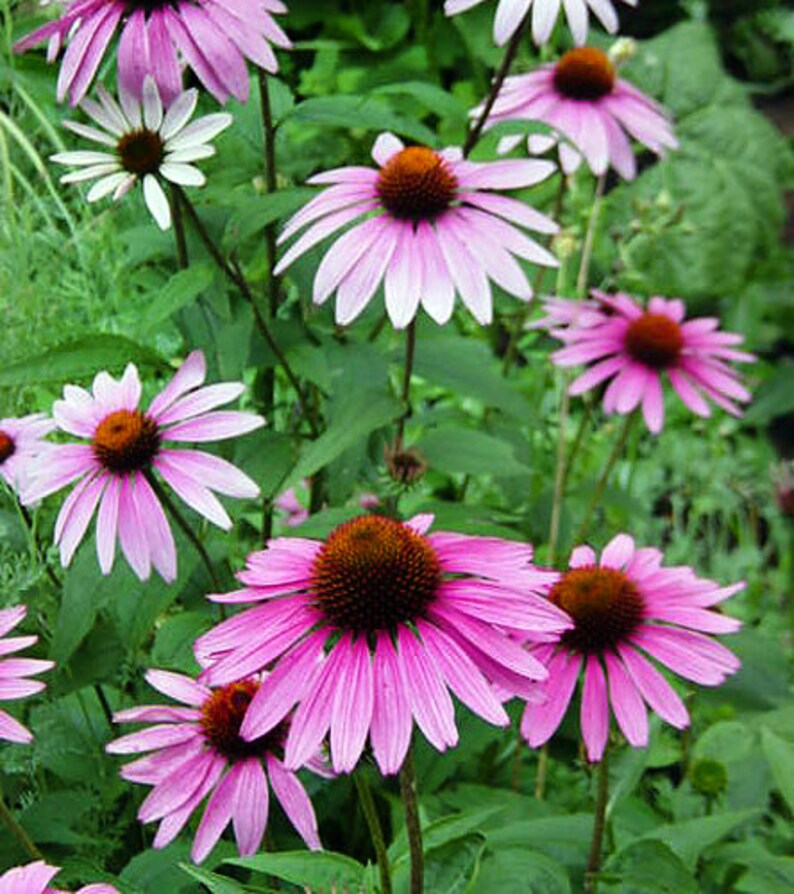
(196, 751)
(115, 470)
(146, 143)
(296, 513)
(21, 442)
(14, 671)
(590, 107)
(214, 38)
(511, 13)
(625, 608)
(433, 226)
(635, 346)
(35, 878)
(371, 629)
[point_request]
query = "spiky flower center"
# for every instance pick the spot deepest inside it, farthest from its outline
(604, 604)
(126, 441)
(148, 6)
(584, 73)
(372, 573)
(222, 716)
(655, 340)
(141, 151)
(416, 184)
(7, 446)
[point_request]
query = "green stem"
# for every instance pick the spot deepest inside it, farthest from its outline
(10, 822)
(589, 239)
(375, 830)
(410, 350)
(599, 825)
(182, 258)
(598, 493)
(36, 551)
(412, 824)
(543, 772)
(171, 507)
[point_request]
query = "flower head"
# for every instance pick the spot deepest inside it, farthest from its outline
(624, 608)
(511, 13)
(434, 226)
(14, 671)
(634, 346)
(214, 38)
(594, 111)
(371, 629)
(147, 143)
(21, 443)
(197, 751)
(126, 446)
(35, 878)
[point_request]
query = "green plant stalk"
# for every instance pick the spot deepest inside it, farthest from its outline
(182, 258)
(410, 351)
(10, 822)
(412, 824)
(375, 829)
(589, 239)
(599, 826)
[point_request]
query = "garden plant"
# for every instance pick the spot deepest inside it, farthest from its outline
(397, 446)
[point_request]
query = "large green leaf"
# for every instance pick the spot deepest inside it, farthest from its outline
(647, 867)
(455, 449)
(521, 871)
(181, 289)
(321, 870)
(780, 756)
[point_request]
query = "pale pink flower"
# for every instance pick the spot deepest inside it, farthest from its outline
(635, 346)
(594, 111)
(214, 38)
(296, 513)
(371, 629)
(126, 446)
(433, 226)
(35, 878)
(21, 443)
(511, 13)
(624, 608)
(14, 671)
(196, 751)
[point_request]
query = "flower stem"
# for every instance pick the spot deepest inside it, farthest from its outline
(232, 270)
(182, 258)
(599, 825)
(504, 69)
(410, 350)
(10, 822)
(412, 824)
(36, 550)
(375, 830)
(182, 524)
(589, 239)
(598, 493)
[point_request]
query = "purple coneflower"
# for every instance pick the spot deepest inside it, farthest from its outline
(433, 226)
(35, 878)
(634, 346)
(197, 751)
(126, 445)
(14, 671)
(21, 443)
(624, 608)
(371, 629)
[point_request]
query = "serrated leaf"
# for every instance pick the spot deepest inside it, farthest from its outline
(315, 869)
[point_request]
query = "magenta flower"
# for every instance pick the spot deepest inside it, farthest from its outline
(511, 13)
(13, 673)
(214, 38)
(433, 227)
(197, 751)
(633, 347)
(369, 631)
(21, 443)
(595, 112)
(296, 513)
(35, 878)
(115, 470)
(624, 608)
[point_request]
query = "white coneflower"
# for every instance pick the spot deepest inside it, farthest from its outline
(146, 143)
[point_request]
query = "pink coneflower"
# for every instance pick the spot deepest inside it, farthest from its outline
(295, 512)
(214, 37)
(142, 142)
(197, 751)
(126, 445)
(595, 111)
(370, 629)
(433, 227)
(35, 878)
(21, 442)
(510, 14)
(633, 347)
(13, 673)
(624, 607)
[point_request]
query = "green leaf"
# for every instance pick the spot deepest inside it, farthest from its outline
(647, 867)
(252, 215)
(457, 449)
(565, 838)
(452, 867)
(323, 870)
(182, 289)
(218, 884)
(774, 397)
(429, 95)
(780, 756)
(444, 830)
(521, 871)
(79, 358)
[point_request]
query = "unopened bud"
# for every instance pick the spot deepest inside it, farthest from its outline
(564, 245)
(623, 50)
(406, 465)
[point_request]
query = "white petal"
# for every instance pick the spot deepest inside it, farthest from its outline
(90, 172)
(156, 201)
(194, 153)
(90, 133)
(152, 105)
(82, 157)
(131, 107)
(184, 175)
(105, 186)
(179, 113)
(202, 130)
